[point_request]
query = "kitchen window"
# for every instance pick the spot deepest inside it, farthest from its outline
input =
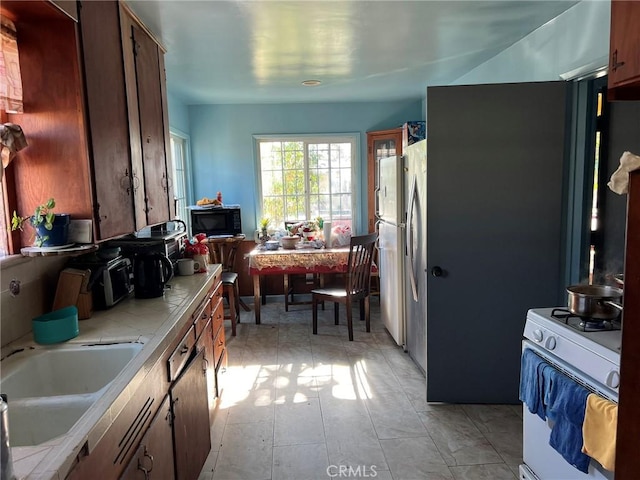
(180, 157)
(302, 178)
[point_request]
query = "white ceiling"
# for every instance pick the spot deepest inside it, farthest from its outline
(260, 51)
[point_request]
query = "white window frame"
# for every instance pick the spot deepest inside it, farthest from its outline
(188, 183)
(350, 137)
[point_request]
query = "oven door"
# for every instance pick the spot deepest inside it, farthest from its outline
(541, 461)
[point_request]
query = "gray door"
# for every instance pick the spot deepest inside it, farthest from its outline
(495, 166)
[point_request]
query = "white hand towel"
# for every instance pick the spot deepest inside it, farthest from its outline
(619, 182)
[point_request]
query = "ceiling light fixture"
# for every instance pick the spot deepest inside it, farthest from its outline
(311, 83)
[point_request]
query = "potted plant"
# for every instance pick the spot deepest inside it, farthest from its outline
(264, 234)
(51, 228)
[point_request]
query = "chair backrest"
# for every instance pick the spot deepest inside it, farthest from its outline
(361, 250)
(224, 252)
(288, 224)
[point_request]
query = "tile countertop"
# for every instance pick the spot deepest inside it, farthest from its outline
(154, 323)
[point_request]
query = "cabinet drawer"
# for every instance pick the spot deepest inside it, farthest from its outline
(181, 354)
(218, 318)
(221, 373)
(218, 346)
(216, 296)
(201, 316)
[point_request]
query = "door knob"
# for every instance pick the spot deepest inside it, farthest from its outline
(437, 271)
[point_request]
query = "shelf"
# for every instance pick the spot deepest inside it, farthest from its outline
(53, 251)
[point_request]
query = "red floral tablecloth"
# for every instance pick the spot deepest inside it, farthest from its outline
(306, 260)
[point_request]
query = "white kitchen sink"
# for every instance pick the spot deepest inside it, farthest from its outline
(48, 389)
(64, 370)
(38, 420)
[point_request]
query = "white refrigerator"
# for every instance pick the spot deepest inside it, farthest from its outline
(402, 248)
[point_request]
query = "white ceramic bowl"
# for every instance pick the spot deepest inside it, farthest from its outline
(272, 245)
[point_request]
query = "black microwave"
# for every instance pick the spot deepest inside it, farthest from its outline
(216, 220)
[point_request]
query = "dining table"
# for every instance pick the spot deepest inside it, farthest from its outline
(300, 260)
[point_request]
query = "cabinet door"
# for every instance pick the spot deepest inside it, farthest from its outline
(624, 51)
(381, 144)
(152, 130)
(108, 121)
(191, 436)
(154, 457)
(205, 342)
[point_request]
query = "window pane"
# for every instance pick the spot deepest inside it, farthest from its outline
(300, 179)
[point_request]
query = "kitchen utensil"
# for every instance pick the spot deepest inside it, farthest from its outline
(57, 326)
(151, 272)
(71, 283)
(6, 470)
(290, 242)
(594, 301)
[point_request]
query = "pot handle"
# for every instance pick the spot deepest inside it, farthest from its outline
(613, 304)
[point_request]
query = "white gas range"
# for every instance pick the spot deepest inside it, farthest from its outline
(587, 352)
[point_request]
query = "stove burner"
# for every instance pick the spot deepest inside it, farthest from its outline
(584, 324)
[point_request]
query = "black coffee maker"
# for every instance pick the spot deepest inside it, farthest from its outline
(151, 272)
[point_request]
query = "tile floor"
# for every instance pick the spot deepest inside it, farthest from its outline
(301, 406)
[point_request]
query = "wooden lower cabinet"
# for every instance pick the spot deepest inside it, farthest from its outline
(205, 342)
(154, 458)
(163, 431)
(191, 433)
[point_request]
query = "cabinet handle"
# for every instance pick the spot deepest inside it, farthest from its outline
(125, 182)
(146, 471)
(184, 350)
(205, 365)
(614, 61)
(136, 182)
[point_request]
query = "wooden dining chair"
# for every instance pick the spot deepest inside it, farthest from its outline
(357, 286)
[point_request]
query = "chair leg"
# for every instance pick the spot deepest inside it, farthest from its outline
(244, 305)
(232, 310)
(286, 292)
(362, 314)
(336, 313)
(236, 292)
(315, 314)
(367, 313)
(350, 321)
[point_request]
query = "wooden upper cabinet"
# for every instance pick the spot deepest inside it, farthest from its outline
(624, 51)
(70, 7)
(55, 163)
(152, 131)
(108, 121)
(380, 144)
(127, 120)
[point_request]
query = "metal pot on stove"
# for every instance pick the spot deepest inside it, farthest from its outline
(600, 302)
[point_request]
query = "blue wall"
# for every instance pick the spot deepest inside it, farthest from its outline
(222, 146)
(178, 114)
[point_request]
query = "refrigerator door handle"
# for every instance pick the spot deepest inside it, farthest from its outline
(410, 224)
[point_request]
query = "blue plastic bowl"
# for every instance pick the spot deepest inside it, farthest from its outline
(57, 326)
